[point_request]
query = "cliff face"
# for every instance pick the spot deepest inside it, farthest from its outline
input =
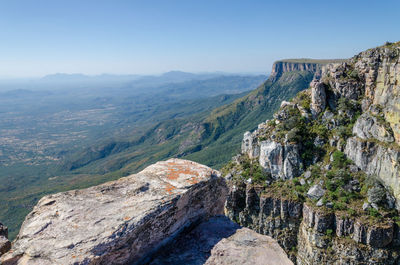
(323, 176)
(284, 66)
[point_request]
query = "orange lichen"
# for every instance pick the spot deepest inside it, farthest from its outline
(169, 188)
(174, 171)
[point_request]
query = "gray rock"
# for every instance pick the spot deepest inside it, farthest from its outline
(318, 97)
(307, 174)
(120, 221)
(250, 145)
(318, 141)
(354, 168)
(247, 247)
(329, 205)
(376, 194)
(320, 203)
(366, 206)
(302, 182)
(368, 126)
(281, 161)
(376, 160)
(315, 192)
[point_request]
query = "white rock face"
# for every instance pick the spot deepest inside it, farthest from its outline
(119, 222)
(250, 145)
(282, 161)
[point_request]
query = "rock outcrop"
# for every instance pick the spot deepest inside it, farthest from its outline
(119, 222)
(280, 67)
(220, 241)
(344, 134)
(248, 248)
(310, 230)
(5, 244)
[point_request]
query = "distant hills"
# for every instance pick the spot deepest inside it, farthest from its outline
(211, 139)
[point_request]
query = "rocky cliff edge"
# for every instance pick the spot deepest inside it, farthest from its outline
(119, 222)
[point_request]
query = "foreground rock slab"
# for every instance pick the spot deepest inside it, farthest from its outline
(247, 247)
(119, 222)
(221, 241)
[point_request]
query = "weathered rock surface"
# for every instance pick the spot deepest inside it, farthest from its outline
(281, 161)
(312, 229)
(280, 67)
(318, 97)
(5, 244)
(377, 160)
(118, 222)
(380, 68)
(368, 126)
(221, 241)
(250, 145)
(315, 192)
(247, 247)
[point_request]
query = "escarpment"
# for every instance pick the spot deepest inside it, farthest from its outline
(322, 176)
(290, 65)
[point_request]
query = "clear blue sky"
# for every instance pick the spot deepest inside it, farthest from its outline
(39, 37)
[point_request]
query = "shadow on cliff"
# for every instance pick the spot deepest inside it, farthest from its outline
(194, 245)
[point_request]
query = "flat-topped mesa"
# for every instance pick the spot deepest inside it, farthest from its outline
(119, 222)
(290, 65)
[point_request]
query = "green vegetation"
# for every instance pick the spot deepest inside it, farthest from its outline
(188, 129)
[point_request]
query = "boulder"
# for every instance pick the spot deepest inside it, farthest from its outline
(119, 222)
(316, 192)
(247, 247)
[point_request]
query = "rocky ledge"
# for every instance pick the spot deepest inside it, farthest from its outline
(119, 222)
(221, 241)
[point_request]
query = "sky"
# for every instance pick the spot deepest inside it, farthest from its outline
(39, 37)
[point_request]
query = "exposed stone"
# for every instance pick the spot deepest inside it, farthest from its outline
(302, 182)
(319, 141)
(368, 126)
(319, 203)
(315, 192)
(250, 145)
(380, 236)
(5, 244)
(247, 247)
(120, 221)
(307, 174)
(281, 161)
(366, 206)
(376, 160)
(318, 97)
